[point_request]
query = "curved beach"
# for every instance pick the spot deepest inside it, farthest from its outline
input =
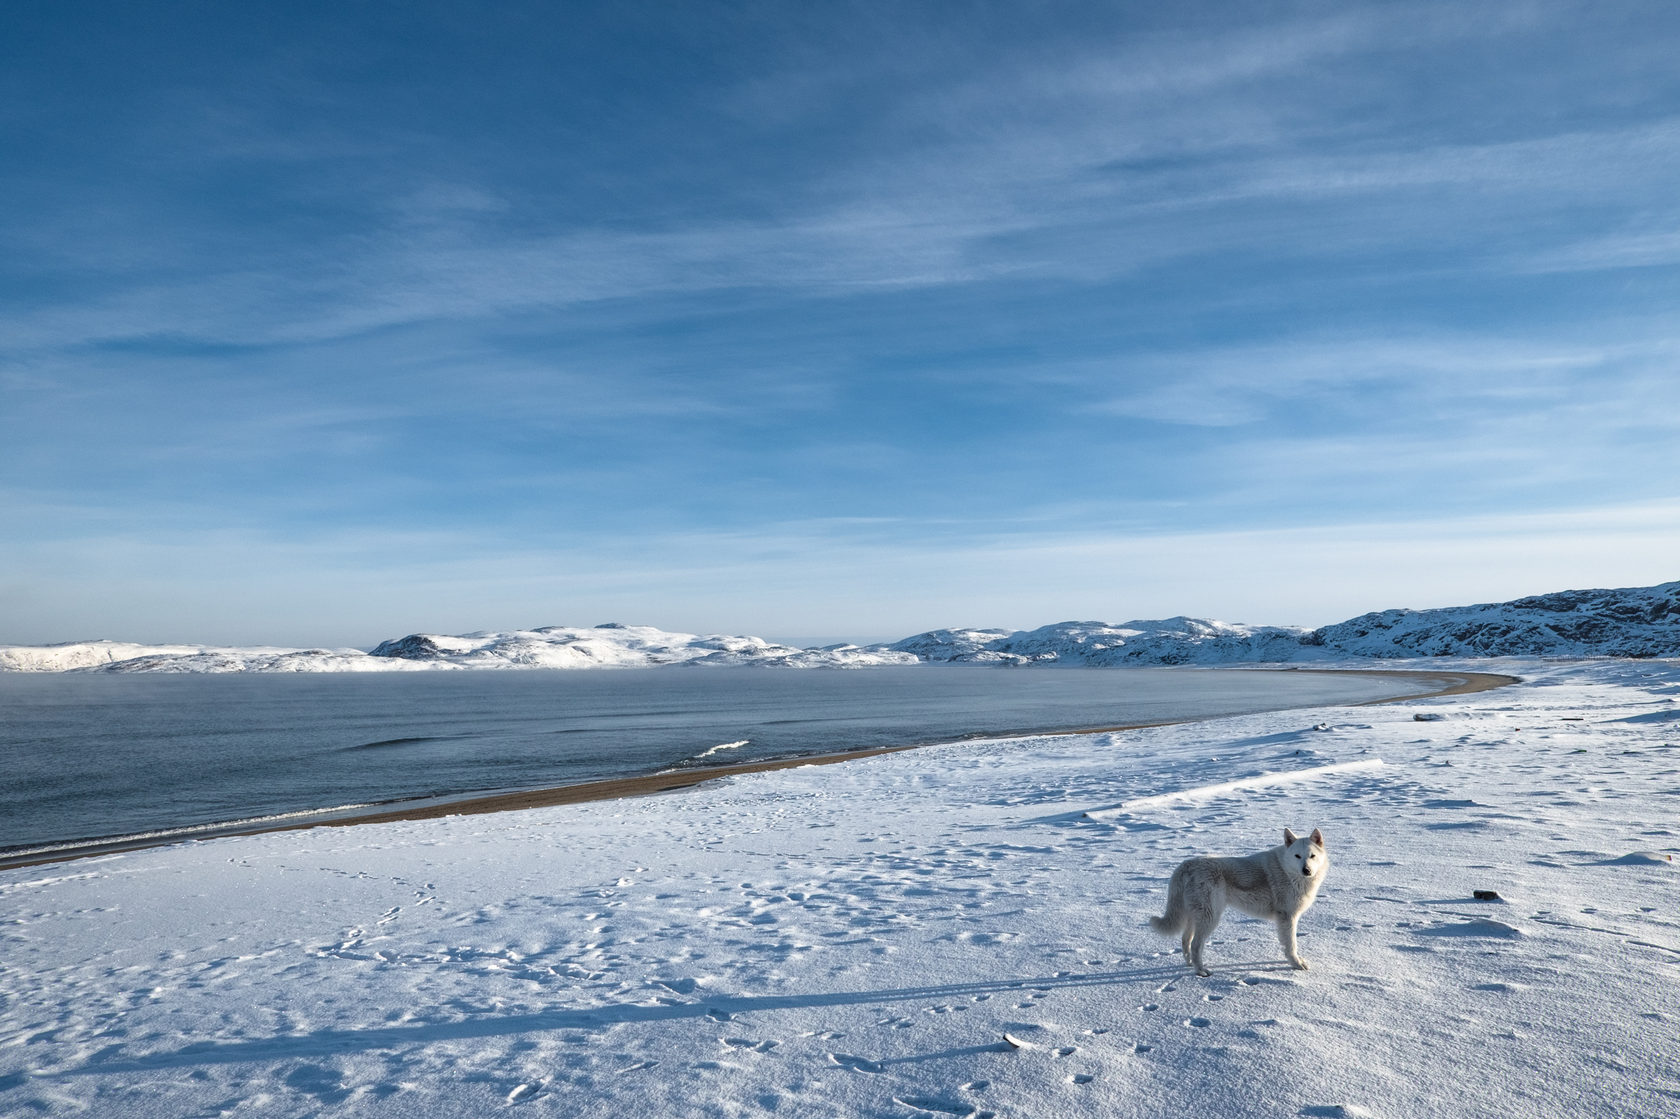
(951, 930)
(1431, 684)
(1464, 684)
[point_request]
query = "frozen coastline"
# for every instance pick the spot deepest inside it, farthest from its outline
(858, 939)
(1637, 622)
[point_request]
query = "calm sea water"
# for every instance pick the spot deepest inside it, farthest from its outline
(85, 756)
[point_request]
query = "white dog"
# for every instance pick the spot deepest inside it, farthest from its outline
(1277, 885)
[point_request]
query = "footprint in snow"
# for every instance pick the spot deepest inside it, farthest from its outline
(935, 1105)
(1486, 928)
(855, 1064)
(525, 1091)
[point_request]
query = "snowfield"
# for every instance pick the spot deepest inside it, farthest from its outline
(953, 931)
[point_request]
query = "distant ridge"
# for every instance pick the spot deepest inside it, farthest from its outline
(1628, 622)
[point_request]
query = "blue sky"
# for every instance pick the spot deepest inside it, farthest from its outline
(323, 323)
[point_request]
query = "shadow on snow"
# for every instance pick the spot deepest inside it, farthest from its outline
(723, 1008)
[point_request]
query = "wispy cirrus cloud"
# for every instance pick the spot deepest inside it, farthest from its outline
(1097, 270)
(1127, 149)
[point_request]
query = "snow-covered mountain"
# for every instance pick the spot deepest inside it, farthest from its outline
(620, 646)
(1629, 622)
(123, 656)
(606, 646)
(1171, 641)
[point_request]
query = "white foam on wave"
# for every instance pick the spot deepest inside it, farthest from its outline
(168, 835)
(720, 747)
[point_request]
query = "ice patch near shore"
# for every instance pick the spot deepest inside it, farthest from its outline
(936, 931)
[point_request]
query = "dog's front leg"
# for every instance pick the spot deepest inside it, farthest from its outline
(1286, 937)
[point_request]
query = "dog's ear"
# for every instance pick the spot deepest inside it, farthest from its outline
(1288, 837)
(1317, 838)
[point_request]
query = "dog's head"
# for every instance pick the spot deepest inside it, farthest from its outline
(1306, 854)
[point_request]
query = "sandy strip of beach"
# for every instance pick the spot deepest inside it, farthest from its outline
(670, 781)
(673, 780)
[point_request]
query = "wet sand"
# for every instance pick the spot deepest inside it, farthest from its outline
(671, 781)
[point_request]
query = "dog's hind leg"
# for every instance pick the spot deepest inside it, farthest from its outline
(1195, 939)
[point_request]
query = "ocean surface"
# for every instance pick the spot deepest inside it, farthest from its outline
(88, 756)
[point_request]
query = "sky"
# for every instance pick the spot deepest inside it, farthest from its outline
(326, 323)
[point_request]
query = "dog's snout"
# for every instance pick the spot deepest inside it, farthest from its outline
(1307, 870)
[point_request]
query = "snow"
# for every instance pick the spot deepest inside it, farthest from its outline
(952, 931)
(553, 647)
(1629, 622)
(74, 656)
(1099, 644)
(620, 646)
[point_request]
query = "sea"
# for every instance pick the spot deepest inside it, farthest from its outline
(97, 756)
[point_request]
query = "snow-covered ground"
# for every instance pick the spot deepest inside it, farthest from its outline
(862, 939)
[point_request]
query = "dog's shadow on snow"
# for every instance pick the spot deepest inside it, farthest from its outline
(723, 1008)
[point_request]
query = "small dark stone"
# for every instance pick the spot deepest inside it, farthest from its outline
(1486, 895)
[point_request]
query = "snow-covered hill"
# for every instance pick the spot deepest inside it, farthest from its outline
(620, 646)
(1629, 622)
(607, 646)
(1172, 641)
(124, 656)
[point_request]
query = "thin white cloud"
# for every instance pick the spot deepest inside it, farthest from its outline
(1054, 183)
(1228, 386)
(1652, 248)
(232, 586)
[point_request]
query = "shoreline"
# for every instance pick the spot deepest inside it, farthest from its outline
(618, 788)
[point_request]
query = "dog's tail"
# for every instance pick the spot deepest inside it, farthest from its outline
(1172, 922)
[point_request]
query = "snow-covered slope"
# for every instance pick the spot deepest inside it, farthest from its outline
(122, 656)
(956, 646)
(1171, 641)
(74, 655)
(953, 931)
(620, 646)
(607, 646)
(1628, 622)
(260, 660)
